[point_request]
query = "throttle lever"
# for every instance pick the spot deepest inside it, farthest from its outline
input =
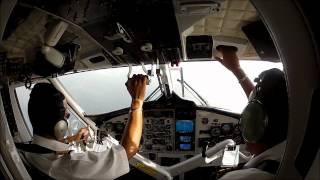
(143, 68)
(205, 146)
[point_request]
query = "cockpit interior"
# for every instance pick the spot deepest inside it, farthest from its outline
(191, 114)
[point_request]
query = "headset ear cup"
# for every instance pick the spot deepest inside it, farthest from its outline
(60, 129)
(253, 122)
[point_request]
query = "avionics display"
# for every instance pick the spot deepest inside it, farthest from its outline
(185, 146)
(184, 126)
(185, 138)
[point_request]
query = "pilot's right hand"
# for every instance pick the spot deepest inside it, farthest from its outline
(137, 87)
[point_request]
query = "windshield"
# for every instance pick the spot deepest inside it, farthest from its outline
(103, 91)
(216, 85)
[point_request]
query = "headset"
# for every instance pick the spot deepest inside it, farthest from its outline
(254, 118)
(268, 100)
(60, 129)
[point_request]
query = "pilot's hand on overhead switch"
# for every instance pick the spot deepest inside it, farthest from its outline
(229, 58)
(137, 87)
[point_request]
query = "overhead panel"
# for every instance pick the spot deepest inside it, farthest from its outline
(226, 23)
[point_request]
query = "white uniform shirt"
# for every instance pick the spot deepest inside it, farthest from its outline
(109, 162)
(250, 172)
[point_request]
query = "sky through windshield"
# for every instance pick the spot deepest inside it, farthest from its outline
(104, 91)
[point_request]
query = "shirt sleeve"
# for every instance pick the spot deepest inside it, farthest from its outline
(247, 174)
(108, 164)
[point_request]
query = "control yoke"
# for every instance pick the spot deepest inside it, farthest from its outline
(161, 172)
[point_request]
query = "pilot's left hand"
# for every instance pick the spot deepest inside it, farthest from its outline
(229, 58)
(83, 135)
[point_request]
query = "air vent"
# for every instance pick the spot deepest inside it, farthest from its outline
(94, 61)
(200, 7)
(97, 59)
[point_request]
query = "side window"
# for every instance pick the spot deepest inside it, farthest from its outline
(23, 95)
(74, 123)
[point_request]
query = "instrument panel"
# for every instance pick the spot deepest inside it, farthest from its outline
(173, 135)
(158, 132)
(214, 128)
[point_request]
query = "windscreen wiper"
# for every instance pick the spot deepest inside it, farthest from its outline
(163, 79)
(152, 94)
(203, 101)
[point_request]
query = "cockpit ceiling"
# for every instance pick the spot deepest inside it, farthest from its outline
(228, 21)
(95, 26)
(91, 25)
(29, 34)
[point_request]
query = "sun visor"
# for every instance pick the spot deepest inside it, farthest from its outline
(204, 46)
(239, 43)
(45, 68)
(260, 39)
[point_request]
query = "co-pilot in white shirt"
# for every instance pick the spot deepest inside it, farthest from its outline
(252, 173)
(109, 162)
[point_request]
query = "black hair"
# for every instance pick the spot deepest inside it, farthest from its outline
(274, 97)
(45, 108)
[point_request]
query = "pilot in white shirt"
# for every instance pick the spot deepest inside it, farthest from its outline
(108, 161)
(264, 121)
(52, 153)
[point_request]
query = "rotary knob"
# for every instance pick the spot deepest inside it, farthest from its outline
(169, 148)
(215, 131)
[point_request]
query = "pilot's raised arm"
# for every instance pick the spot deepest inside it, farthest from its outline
(230, 60)
(132, 134)
(50, 150)
(263, 122)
